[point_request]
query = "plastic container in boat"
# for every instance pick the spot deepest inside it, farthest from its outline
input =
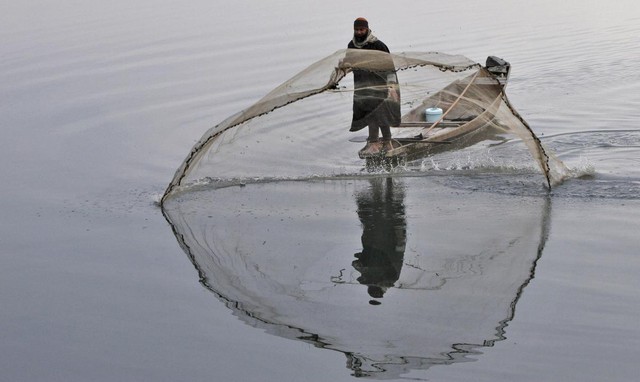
(433, 114)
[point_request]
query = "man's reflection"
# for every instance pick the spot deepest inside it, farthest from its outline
(381, 211)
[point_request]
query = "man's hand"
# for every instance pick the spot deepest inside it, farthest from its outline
(394, 93)
(344, 64)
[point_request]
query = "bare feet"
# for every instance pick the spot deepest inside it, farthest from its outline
(372, 148)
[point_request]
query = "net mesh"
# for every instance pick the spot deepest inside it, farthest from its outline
(301, 129)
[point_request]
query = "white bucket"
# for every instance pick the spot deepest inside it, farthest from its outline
(433, 114)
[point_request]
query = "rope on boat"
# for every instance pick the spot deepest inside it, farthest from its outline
(452, 105)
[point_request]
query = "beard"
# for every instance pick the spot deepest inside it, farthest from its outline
(361, 38)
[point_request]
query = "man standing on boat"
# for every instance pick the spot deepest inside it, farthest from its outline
(376, 99)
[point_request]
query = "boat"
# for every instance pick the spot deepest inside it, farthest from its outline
(461, 108)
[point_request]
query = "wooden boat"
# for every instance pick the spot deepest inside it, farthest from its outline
(467, 105)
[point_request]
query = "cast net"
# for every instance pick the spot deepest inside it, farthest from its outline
(300, 130)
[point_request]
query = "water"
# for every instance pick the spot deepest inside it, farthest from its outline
(101, 102)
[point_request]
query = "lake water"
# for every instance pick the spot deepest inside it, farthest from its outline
(102, 101)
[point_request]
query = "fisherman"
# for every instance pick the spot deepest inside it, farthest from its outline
(376, 99)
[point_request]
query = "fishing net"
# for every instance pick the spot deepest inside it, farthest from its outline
(300, 130)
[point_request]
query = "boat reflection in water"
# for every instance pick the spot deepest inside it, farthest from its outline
(424, 275)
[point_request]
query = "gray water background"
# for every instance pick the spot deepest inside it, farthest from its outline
(101, 102)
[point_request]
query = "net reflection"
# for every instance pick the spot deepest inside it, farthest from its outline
(409, 276)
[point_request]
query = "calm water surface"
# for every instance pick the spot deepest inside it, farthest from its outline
(101, 102)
